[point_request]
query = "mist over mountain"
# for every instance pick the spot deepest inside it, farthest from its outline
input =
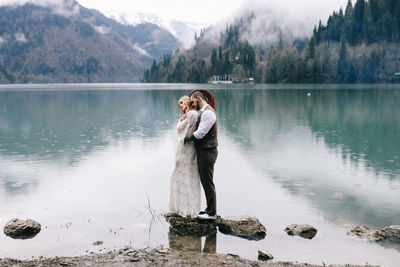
(61, 41)
(274, 44)
(273, 21)
(232, 47)
(183, 31)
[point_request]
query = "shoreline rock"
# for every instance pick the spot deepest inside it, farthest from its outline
(392, 232)
(22, 229)
(302, 230)
(246, 227)
(262, 256)
(190, 226)
(364, 232)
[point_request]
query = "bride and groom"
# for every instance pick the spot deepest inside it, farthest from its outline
(195, 157)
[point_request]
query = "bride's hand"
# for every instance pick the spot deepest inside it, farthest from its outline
(183, 117)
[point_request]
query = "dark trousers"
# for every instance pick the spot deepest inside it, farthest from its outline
(206, 158)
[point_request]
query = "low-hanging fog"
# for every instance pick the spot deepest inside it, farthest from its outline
(273, 20)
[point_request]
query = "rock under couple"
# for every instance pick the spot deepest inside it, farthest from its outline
(195, 157)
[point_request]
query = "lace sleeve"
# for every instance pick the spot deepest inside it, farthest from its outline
(192, 120)
(182, 124)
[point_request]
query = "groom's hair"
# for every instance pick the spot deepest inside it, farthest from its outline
(195, 94)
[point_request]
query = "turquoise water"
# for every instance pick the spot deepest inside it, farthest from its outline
(92, 162)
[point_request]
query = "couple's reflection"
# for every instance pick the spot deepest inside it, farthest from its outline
(192, 243)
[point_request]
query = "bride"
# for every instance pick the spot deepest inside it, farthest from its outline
(184, 196)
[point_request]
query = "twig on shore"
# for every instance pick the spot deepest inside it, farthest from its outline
(152, 212)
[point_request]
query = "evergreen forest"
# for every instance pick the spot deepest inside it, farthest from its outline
(360, 44)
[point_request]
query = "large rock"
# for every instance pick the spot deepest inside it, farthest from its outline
(245, 227)
(392, 232)
(190, 226)
(22, 229)
(367, 233)
(302, 230)
(262, 256)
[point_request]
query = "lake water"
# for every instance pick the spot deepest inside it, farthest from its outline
(93, 162)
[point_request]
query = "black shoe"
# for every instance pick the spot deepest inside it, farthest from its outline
(202, 212)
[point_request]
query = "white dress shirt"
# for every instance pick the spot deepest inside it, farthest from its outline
(207, 121)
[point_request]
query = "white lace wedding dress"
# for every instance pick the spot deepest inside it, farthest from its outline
(184, 196)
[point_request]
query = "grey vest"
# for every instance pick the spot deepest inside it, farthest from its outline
(210, 139)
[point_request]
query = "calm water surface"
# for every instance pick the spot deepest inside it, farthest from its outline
(92, 162)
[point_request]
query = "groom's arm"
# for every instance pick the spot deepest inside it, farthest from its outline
(207, 121)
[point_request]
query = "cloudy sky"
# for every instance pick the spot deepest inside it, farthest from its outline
(212, 11)
(206, 11)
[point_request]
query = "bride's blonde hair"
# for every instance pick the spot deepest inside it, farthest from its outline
(186, 100)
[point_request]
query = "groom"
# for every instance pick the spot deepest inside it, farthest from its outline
(205, 141)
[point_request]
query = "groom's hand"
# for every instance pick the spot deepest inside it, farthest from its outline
(189, 138)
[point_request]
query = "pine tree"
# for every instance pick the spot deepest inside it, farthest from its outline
(358, 13)
(311, 49)
(220, 60)
(227, 66)
(214, 61)
(348, 21)
(368, 25)
(342, 62)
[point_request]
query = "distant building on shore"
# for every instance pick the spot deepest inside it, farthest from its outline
(396, 77)
(229, 79)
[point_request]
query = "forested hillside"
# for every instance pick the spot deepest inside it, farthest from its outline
(361, 44)
(70, 43)
(358, 45)
(212, 54)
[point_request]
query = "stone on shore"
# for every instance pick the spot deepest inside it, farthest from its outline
(245, 227)
(302, 230)
(22, 229)
(190, 226)
(262, 256)
(392, 232)
(364, 232)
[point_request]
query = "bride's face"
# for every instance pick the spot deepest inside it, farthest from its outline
(182, 105)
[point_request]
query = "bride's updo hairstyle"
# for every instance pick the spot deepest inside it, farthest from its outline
(185, 100)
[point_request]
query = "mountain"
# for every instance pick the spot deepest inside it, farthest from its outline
(66, 42)
(220, 51)
(360, 45)
(183, 31)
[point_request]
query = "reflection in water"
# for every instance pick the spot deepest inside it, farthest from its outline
(362, 124)
(285, 133)
(69, 124)
(64, 127)
(90, 157)
(277, 128)
(192, 243)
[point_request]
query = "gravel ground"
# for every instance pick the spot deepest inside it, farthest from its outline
(148, 257)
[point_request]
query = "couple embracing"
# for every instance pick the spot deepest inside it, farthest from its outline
(195, 157)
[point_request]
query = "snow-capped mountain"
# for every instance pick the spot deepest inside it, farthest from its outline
(183, 31)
